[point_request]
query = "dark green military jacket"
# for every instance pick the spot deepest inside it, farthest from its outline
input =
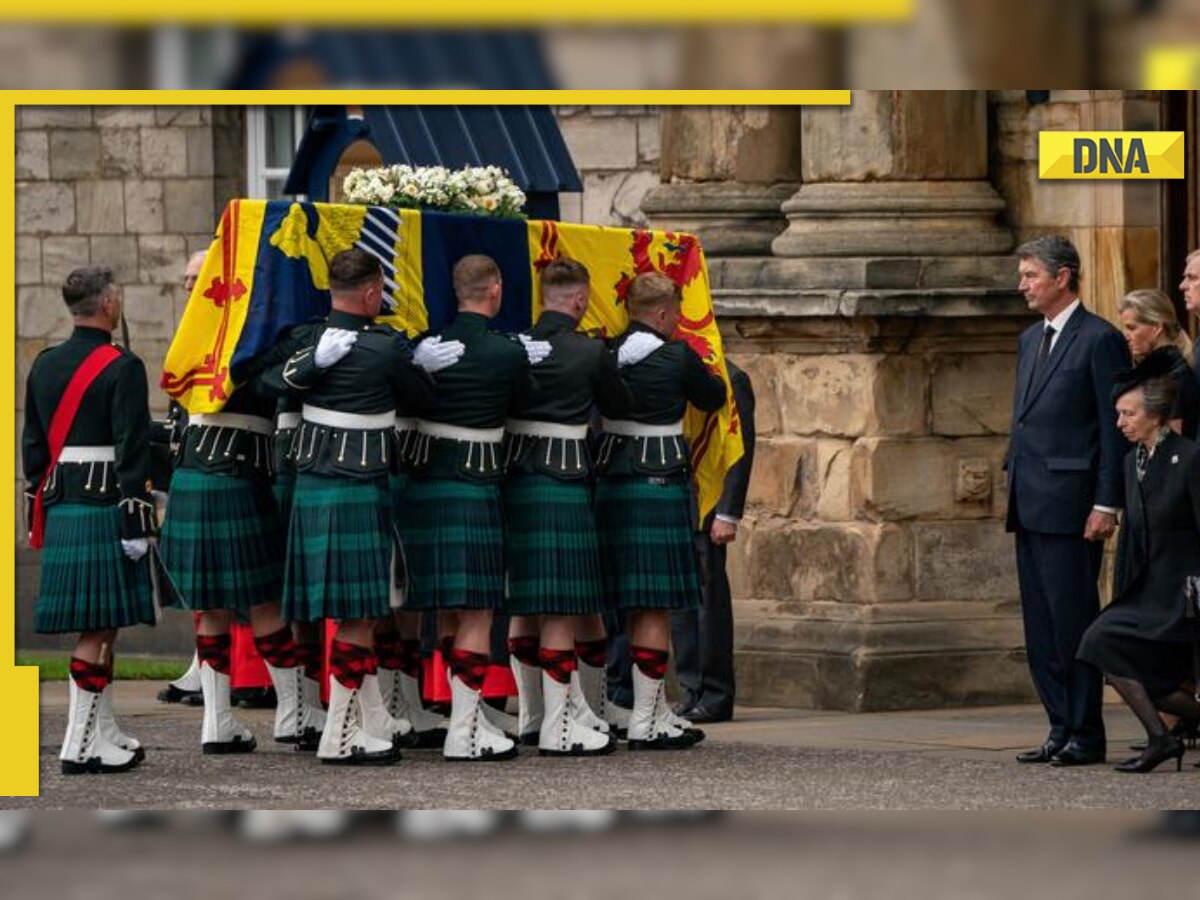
(663, 384)
(580, 372)
(476, 392)
(114, 413)
(374, 378)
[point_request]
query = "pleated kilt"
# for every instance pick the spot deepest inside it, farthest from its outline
(551, 548)
(222, 542)
(397, 485)
(454, 544)
(284, 487)
(646, 545)
(340, 543)
(88, 584)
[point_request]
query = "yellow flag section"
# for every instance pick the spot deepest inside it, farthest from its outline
(196, 368)
(613, 257)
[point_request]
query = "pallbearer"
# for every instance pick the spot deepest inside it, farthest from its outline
(341, 543)
(452, 518)
(553, 558)
(86, 453)
(643, 506)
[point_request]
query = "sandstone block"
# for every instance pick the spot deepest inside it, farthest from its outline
(164, 152)
(45, 208)
(148, 310)
(188, 205)
(55, 116)
(851, 395)
(972, 393)
(33, 155)
(776, 476)
(964, 561)
(161, 258)
(608, 143)
(143, 206)
(120, 151)
(101, 207)
(29, 260)
(763, 370)
(616, 198)
(177, 115)
(42, 314)
(119, 253)
(74, 153)
(199, 151)
(124, 116)
(60, 255)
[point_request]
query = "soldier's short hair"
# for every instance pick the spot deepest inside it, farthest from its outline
(650, 290)
(473, 275)
(353, 268)
(564, 272)
(85, 288)
(1055, 252)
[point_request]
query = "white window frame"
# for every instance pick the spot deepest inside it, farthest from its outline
(257, 170)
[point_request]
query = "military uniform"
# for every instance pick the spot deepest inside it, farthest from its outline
(452, 523)
(94, 496)
(643, 499)
(553, 557)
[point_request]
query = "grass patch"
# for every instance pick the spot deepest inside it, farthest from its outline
(53, 667)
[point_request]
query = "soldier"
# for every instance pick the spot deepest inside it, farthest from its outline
(341, 542)
(222, 541)
(643, 504)
(553, 557)
(86, 454)
(452, 520)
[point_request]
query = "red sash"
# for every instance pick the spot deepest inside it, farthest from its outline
(60, 426)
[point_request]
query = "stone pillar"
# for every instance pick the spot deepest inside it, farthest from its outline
(896, 173)
(725, 171)
(872, 570)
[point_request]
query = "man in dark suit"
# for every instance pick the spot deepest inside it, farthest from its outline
(703, 638)
(1065, 488)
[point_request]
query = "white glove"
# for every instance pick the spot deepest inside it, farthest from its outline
(537, 351)
(433, 354)
(136, 548)
(334, 344)
(637, 347)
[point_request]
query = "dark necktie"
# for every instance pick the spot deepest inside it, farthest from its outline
(1043, 350)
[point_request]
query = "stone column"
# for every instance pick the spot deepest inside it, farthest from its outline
(896, 173)
(725, 171)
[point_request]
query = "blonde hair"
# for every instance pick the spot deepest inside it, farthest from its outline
(473, 275)
(1152, 307)
(650, 290)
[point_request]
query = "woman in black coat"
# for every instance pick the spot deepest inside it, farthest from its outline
(1142, 641)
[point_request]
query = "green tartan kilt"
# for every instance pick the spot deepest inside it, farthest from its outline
(339, 550)
(551, 548)
(222, 542)
(284, 487)
(646, 544)
(397, 484)
(88, 584)
(454, 544)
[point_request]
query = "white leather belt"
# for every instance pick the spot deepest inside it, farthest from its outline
(458, 433)
(241, 421)
(287, 420)
(318, 415)
(626, 428)
(87, 454)
(533, 428)
(405, 423)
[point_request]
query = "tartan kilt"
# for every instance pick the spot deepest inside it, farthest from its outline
(222, 542)
(340, 543)
(87, 583)
(646, 544)
(397, 484)
(284, 487)
(551, 548)
(454, 544)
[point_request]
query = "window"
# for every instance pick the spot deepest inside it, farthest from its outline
(272, 135)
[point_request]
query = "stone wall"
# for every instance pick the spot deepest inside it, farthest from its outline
(616, 150)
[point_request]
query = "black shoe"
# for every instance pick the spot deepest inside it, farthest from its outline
(1074, 755)
(172, 694)
(1158, 750)
(702, 715)
(1042, 754)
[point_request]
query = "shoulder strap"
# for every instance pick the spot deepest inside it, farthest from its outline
(60, 425)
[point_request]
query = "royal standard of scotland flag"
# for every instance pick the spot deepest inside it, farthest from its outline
(268, 270)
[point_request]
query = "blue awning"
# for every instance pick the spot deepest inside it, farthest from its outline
(525, 140)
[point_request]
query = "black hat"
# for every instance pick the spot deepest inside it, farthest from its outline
(1159, 363)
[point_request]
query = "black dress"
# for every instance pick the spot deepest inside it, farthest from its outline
(1144, 634)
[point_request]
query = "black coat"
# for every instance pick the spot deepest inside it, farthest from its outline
(1162, 523)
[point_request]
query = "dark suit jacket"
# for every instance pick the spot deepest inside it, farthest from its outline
(737, 479)
(1162, 518)
(1065, 453)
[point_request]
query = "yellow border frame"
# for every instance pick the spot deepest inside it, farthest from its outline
(19, 685)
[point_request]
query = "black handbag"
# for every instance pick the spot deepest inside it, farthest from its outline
(1191, 594)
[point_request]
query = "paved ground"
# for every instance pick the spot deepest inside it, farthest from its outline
(768, 759)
